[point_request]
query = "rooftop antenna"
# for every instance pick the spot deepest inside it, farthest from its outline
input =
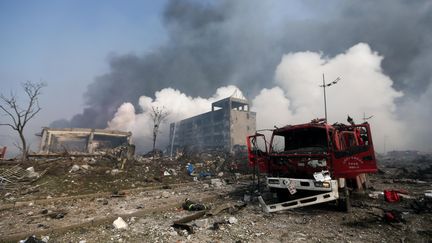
(324, 85)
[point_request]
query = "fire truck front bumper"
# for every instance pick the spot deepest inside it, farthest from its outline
(330, 194)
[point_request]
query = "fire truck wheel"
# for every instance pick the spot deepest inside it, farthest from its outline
(344, 202)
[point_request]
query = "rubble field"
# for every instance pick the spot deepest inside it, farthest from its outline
(101, 199)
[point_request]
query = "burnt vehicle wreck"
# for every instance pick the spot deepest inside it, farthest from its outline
(313, 163)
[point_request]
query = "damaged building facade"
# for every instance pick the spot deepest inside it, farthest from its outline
(81, 140)
(224, 128)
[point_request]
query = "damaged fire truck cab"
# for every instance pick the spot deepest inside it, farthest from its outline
(312, 163)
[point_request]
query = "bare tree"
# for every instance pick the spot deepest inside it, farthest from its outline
(158, 115)
(18, 114)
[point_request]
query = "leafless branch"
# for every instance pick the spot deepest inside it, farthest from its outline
(6, 124)
(6, 110)
(18, 146)
(159, 114)
(21, 115)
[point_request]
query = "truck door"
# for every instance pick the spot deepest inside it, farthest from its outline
(257, 152)
(356, 154)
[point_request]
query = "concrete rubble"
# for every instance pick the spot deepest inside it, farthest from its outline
(74, 168)
(120, 224)
(139, 202)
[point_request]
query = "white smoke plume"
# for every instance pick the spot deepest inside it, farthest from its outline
(416, 114)
(363, 89)
(296, 98)
(178, 105)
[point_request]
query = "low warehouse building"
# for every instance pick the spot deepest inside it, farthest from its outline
(81, 140)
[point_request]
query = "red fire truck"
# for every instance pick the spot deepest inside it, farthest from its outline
(313, 163)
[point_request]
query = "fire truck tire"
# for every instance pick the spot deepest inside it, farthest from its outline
(344, 202)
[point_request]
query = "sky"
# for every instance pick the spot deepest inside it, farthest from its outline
(66, 44)
(103, 59)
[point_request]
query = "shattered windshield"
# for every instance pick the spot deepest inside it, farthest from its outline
(300, 140)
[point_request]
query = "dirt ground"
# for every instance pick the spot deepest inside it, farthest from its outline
(80, 206)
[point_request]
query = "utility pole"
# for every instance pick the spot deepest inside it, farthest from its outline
(385, 143)
(366, 118)
(324, 85)
(325, 99)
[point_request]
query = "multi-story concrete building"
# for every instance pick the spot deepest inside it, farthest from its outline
(225, 127)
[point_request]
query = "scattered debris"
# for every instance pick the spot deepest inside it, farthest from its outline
(85, 167)
(115, 171)
(91, 195)
(57, 215)
(422, 205)
(74, 168)
(10, 178)
(165, 194)
(181, 224)
(202, 223)
(32, 239)
(32, 189)
(394, 216)
(117, 194)
(119, 223)
(32, 173)
(376, 194)
(190, 169)
(230, 207)
(193, 206)
(392, 196)
(216, 182)
(411, 181)
(45, 238)
(232, 220)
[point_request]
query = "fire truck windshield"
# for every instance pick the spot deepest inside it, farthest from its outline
(300, 140)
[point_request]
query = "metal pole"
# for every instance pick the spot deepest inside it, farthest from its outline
(172, 139)
(325, 100)
(385, 140)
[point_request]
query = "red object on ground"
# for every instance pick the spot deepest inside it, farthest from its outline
(389, 216)
(391, 196)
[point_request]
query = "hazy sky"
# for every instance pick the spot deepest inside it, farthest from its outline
(66, 44)
(97, 55)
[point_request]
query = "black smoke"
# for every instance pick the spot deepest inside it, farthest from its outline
(214, 43)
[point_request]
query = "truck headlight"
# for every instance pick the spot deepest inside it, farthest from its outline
(324, 184)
